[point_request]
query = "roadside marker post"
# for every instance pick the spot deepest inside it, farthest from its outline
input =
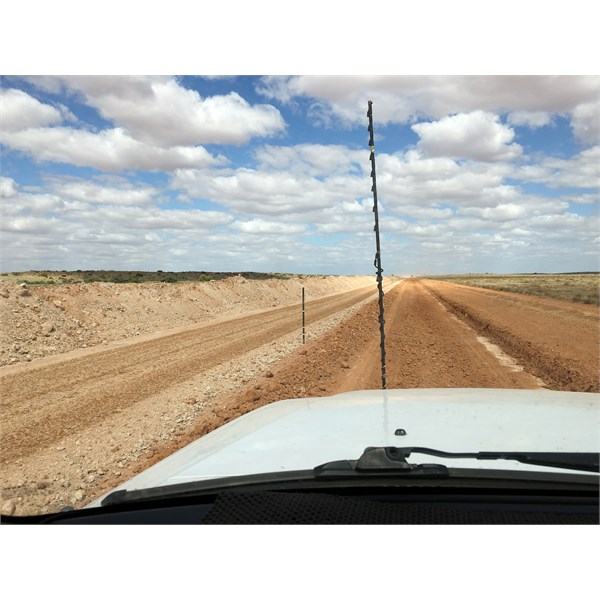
(303, 334)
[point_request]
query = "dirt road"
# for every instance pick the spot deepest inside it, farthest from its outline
(445, 335)
(44, 402)
(74, 426)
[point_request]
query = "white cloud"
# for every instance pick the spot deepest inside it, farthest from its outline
(403, 98)
(313, 159)
(39, 204)
(8, 187)
(261, 226)
(77, 208)
(19, 110)
(586, 122)
(580, 171)
(29, 224)
(88, 192)
(411, 188)
(408, 179)
(501, 212)
(159, 124)
(584, 198)
(530, 119)
(135, 218)
(161, 112)
(109, 150)
(478, 135)
(271, 193)
(69, 229)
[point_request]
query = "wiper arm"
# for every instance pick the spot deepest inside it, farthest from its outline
(580, 461)
(380, 461)
(392, 459)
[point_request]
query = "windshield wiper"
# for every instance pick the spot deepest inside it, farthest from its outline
(580, 461)
(394, 460)
(382, 461)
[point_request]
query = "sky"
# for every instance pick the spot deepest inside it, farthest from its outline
(272, 173)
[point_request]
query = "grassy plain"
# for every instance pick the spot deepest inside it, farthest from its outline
(574, 287)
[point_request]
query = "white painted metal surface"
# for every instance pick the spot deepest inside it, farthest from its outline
(304, 433)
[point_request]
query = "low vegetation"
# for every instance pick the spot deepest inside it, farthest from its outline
(80, 276)
(574, 287)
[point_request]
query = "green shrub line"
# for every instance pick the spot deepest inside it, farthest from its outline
(47, 277)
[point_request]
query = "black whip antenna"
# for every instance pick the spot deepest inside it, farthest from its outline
(378, 247)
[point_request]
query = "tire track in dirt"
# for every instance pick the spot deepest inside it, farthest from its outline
(426, 348)
(555, 340)
(41, 405)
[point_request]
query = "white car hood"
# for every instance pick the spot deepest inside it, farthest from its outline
(303, 433)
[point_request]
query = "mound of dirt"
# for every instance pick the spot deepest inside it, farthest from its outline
(46, 320)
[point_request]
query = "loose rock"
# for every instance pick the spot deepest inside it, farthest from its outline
(8, 508)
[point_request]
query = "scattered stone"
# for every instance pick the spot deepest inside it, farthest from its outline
(78, 496)
(269, 374)
(47, 328)
(57, 303)
(345, 365)
(8, 508)
(4, 293)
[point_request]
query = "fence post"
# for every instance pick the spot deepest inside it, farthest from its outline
(303, 333)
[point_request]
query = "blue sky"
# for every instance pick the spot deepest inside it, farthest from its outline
(238, 173)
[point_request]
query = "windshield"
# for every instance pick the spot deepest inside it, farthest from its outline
(179, 251)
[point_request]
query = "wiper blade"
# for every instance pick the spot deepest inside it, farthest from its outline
(392, 459)
(580, 461)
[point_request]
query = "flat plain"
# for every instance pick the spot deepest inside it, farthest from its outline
(573, 287)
